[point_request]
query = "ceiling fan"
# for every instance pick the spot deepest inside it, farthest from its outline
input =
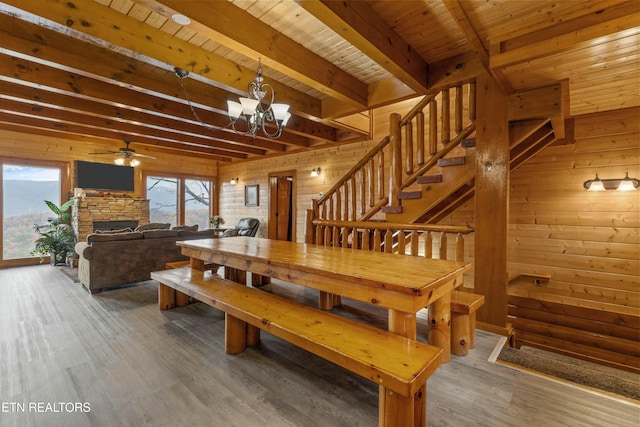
(126, 156)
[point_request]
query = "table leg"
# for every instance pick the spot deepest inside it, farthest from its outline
(402, 323)
(440, 325)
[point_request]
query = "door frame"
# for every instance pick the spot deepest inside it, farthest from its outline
(271, 230)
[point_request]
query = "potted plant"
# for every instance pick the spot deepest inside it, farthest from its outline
(56, 238)
(216, 221)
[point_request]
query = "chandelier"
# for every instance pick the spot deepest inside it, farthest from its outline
(254, 111)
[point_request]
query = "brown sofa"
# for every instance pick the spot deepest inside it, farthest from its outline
(112, 259)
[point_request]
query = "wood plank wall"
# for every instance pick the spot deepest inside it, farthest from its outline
(588, 242)
(15, 145)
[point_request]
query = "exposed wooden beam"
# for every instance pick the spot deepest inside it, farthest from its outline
(563, 36)
(456, 10)
(357, 23)
(232, 27)
(96, 20)
(90, 60)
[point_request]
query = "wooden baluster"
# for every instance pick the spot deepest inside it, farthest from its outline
(347, 191)
(428, 245)
(377, 241)
(324, 210)
(336, 237)
(446, 118)
(366, 240)
(338, 216)
(345, 237)
(363, 190)
(371, 182)
(459, 247)
(408, 148)
(355, 240)
(381, 175)
(415, 240)
(330, 217)
(328, 231)
(395, 180)
(458, 109)
(388, 241)
(309, 234)
(320, 235)
(472, 101)
(401, 242)
(420, 138)
(354, 199)
(443, 245)
(433, 127)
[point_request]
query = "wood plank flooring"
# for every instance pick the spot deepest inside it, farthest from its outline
(132, 365)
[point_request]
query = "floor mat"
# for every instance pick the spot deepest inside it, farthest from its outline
(578, 371)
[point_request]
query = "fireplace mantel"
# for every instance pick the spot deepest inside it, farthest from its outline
(89, 209)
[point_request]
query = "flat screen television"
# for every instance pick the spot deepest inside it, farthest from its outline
(104, 176)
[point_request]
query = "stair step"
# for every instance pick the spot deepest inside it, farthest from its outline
(467, 143)
(410, 194)
(452, 161)
(392, 209)
(429, 179)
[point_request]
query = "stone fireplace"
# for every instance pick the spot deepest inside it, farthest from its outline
(93, 213)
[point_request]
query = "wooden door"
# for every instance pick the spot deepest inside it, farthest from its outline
(280, 208)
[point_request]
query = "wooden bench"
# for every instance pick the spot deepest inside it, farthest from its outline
(401, 366)
(463, 321)
(599, 328)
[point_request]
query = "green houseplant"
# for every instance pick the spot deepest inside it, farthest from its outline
(56, 238)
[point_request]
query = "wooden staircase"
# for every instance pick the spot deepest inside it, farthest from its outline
(431, 167)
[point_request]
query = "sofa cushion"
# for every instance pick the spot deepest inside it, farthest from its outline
(203, 234)
(92, 238)
(154, 226)
(186, 227)
(230, 232)
(158, 234)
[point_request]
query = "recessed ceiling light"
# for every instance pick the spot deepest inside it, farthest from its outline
(179, 18)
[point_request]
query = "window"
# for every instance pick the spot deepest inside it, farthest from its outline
(179, 200)
(25, 187)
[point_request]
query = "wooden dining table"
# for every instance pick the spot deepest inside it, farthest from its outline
(402, 284)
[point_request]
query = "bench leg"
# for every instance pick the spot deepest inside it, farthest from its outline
(235, 334)
(460, 334)
(166, 297)
(400, 411)
(439, 315)
(238, 276)
(258, 280)
(472, 329)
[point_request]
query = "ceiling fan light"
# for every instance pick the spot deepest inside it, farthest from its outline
(134, 162)
(119, 161)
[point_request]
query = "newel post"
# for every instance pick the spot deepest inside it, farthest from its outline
(396, 159)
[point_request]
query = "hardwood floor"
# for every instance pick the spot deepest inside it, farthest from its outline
(130, 364)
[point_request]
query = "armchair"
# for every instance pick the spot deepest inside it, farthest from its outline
(244, 227)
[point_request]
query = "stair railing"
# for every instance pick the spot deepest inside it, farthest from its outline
(360, 194)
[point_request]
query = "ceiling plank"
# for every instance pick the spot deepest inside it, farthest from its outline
(564, 36)
(357, 23)
(96, 20)
(220, 21)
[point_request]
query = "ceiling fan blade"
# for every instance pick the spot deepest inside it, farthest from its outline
(106, 152)
(146, 156)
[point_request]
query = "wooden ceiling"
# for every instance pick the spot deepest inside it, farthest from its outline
(103, 69)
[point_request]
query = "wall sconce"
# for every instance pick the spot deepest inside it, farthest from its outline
(315, 172)
(234, 181)
(620, 184)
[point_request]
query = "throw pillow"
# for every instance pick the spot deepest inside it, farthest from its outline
(154, 226)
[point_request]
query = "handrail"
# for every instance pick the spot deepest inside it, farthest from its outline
(463, 229)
